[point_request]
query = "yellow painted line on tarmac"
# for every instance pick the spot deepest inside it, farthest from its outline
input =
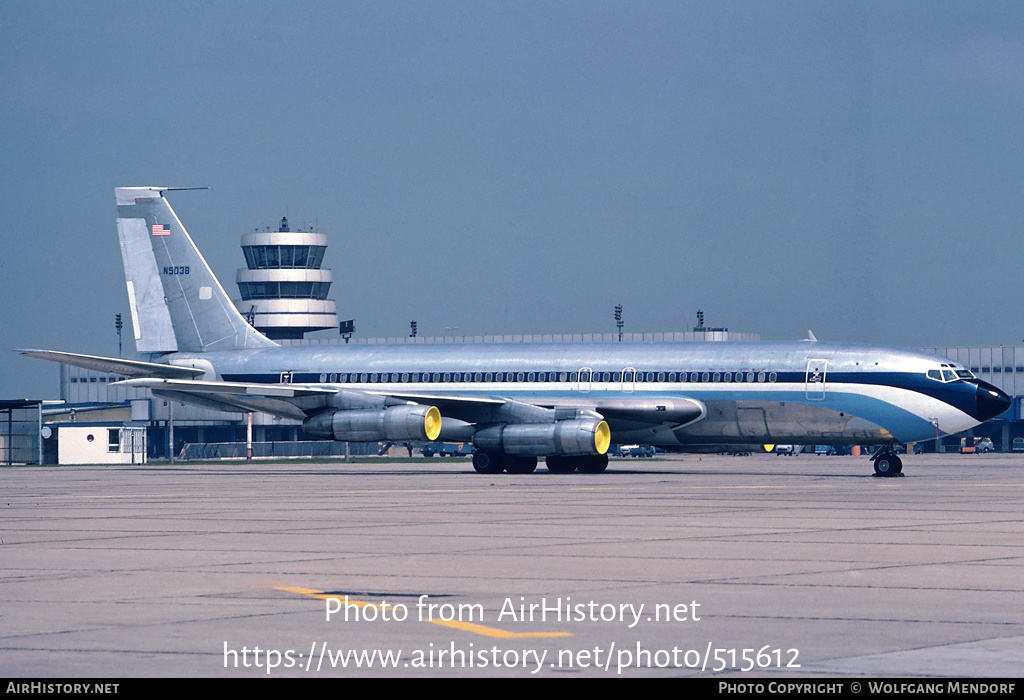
(495, 632)
(455, 624)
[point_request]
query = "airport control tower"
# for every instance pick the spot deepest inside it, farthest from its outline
(284, 290)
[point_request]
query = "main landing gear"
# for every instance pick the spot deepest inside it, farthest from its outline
(498, 462)
(887, 463)
(584, 464)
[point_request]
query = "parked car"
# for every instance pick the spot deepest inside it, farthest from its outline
(976, 445)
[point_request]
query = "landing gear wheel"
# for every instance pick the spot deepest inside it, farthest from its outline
(520, 465)
(888, 465)
(593, 465)
(560, 465)
(488, 463)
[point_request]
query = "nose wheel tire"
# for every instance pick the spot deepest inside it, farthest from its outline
(888, 465)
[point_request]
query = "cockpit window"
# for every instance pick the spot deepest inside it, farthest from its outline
(949, 375)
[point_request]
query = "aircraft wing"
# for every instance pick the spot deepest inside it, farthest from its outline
(300, 401)
(286, 400)
(114, 365)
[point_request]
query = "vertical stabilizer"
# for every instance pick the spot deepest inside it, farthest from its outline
(176, 301)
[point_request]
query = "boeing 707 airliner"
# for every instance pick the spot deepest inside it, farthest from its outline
(519, 402)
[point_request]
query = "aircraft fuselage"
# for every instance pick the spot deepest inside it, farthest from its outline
(752, 393)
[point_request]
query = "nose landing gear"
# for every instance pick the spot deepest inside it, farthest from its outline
(887, 463)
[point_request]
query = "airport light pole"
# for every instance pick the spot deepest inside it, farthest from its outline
(618, 319)
(118, 325)
(170, 431)
(347, 328)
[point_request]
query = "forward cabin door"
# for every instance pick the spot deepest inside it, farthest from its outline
(814, 380)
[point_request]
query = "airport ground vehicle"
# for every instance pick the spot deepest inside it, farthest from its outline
(976, 445)
(447, 449)
(638, 451)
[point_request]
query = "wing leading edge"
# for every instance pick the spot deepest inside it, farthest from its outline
(113, 365)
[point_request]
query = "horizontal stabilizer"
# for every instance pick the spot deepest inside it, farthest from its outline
(115, 365)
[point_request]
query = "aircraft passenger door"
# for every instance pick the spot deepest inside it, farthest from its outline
(585, 378)
(628, 377)
(814, 380)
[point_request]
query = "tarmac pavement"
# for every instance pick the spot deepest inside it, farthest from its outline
(743, 567)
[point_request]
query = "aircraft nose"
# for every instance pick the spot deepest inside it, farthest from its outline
(991, 402)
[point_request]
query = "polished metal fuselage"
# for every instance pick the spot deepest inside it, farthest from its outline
(752, 393)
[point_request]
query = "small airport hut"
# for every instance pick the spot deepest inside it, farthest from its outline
(100, 444)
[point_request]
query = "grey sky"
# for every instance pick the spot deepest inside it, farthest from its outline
(853, 168)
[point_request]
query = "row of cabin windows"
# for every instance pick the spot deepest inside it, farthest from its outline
(585, 377)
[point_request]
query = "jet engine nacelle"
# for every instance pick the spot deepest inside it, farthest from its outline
(408, 422)
(567, 437)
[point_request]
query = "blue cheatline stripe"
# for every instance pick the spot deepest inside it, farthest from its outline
(960, 394)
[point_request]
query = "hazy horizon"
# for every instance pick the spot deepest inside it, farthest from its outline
(855, 169)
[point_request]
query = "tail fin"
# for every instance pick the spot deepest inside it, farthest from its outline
(176, 301)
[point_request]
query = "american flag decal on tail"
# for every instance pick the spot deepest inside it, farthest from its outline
(161, 230)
